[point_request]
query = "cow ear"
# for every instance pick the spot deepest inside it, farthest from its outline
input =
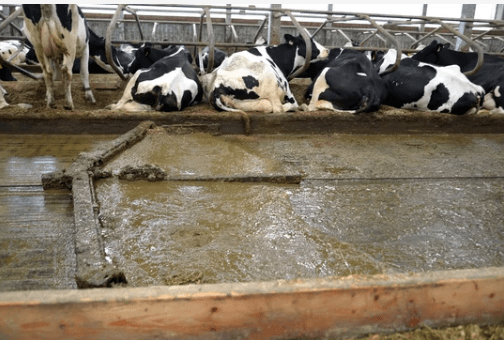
(289, 39)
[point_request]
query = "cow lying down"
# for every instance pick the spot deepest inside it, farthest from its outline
(347, 81)
(170, 84)
(256, 79)
(426, 87)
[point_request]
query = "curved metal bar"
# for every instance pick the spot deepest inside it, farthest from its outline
(308, 43)
(211, 40)
(469, 41)
(132, 11)
(261, 26)
(19, 69)
(108, 39)
(11, 18)
(433, 32)
(391, 38)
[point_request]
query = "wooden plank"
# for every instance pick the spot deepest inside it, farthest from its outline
(326, 308)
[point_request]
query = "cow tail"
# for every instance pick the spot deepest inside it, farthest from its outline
(215, 101)
(47, 15)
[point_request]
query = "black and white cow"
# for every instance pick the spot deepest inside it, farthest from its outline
(490, 76)
(146, 55)
(219, 56)
(9, 48)
(98, 59)
(346, 81)
(170, 84)
(427, 87)
(59, 34)
(256, 79)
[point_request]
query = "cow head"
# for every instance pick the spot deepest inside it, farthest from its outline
(146, 55)
(430, 53)
(318, 51)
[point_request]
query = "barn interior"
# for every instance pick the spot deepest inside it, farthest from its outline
(195, 225)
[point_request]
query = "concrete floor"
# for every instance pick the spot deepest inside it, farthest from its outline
(36, 227)
(37, 247)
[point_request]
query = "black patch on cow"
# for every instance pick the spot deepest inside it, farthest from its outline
(241, 94)
(438, 97)
(250, 82)
(64, 16)
(33, 13)
(464, 104)
(155, 97)
(407, 84)
(254, 51)
(6, 74)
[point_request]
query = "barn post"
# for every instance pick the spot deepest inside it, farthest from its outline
(327, 33)
(274, 22)
(499, 12)
(465, 27)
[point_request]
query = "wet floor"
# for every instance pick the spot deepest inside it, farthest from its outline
(368, 204)
(37, 245)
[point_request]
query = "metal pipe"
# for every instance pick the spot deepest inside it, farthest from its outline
(11, 18)
(477, 47)
(108, 38)
(391, 38)
(19, 69)
(211, 41)
(308, 43)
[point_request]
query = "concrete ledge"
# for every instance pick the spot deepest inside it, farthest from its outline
(333, 308)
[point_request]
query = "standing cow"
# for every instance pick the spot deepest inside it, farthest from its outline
(256, 79)
(59, 34)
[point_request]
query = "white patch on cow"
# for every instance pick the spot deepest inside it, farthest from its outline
(362, 74)
(456, 83)
(489, 101)
(497, 91)
(389, 59)
(172, 82)
(273, 86)
(12, 51)
(103, 65)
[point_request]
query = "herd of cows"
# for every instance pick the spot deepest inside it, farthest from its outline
(256, 79)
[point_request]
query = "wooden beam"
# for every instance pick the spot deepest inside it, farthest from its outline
(329, 307)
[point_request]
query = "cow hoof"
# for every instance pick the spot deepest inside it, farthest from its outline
(51, 106)
(68, 107)
(25, 106)
(90, 99)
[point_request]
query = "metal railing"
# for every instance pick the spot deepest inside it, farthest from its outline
(376, 31)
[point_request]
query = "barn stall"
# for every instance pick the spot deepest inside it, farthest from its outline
(308, 224)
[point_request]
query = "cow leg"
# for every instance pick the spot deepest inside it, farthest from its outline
(260, 105)
(127, 103)
(84, 73)
(48, 73)
(3, 102)
(66, 69)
